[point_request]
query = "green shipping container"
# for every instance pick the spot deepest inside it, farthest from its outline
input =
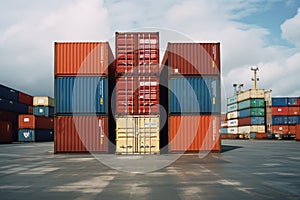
(252, 112)
(252, 103)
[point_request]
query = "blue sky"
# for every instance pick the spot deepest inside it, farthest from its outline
(263, 33)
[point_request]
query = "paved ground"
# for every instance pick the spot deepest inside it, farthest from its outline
(245, 170)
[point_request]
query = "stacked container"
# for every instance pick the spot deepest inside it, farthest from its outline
(251, 113)
(285, 116)
(81, 96)
(12, 103)
(43, 106)
(193, 74)
(137, 93)
(231, 132)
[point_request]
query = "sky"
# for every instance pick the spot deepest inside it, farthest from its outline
(262, 33)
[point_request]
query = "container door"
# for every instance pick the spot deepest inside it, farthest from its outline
(148, 135)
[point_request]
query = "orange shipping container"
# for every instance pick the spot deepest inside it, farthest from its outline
(82, 58)
(81, 134)
(194, 133)
(35, 122)
(282, 129)
(298, 131)
(293, 110)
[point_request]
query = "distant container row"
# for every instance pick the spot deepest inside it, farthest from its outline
(243, 129)
(246, 95)
(286, 111)
(285, 101)
(254, 112)
(250, 103)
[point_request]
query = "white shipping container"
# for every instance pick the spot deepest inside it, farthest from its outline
(232, 107)
(233, 115)
(233, 122)
(251, 129)
(232, 130)
(249, 94)
(43, 101)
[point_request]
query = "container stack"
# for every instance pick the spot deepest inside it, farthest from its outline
(81, 96)
(251, 114)
(285, 116)
(12, 103)
(137, 93)
(231, 132)
(193, 74)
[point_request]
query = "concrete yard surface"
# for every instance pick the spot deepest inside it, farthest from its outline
(246, 169)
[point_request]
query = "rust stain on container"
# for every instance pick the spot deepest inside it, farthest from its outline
(194, 133)
(81, 134)
(193, 58)
(82, 58)
(35, 122)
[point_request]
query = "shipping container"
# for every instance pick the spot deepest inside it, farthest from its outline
(81, 134)
(82, 58)
(43, 101)
(282, 110)
(252, 112)
(251, 129)
(279, 120)
(192, 58)
(35, 122)
(13, 119)
(293, 101)
(25, 98)
(230, 136)
(251, 94)
(194, 133)
(233, 115)
(137, 52)
(223, 131)
(233, 122)
(251, 121)
(261, 135)
(292, 120)
(8, 93)
(35, 135)
(279, 101)
(297, 132)
(194, 95)
(46, 111)
(137, 95)
(232, 107)
(252, 135)
(232, 100)
(30, 109)
(137, 134)
(233, 130)
(81, 95)
(292, 129)
(13, 106)
(281, 129)
(251, 103)
(5, 131)
(294, 110)
(224, 124)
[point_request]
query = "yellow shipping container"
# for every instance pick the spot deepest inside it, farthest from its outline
(43, 101)
(251, 129)
(232, 115)
(137, 135)
(250, 94)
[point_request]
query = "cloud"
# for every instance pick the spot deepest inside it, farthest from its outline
(290, 29)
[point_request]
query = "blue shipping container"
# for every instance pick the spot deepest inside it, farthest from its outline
(8, 93)
(292, 101)
(35, 135)
(81, 95)
(223, 131)
(12, 106)
(257, 120)
(194, 95)
(46, 111)
(293, 120)
(279, 120)
(252, 135)
(279, 101)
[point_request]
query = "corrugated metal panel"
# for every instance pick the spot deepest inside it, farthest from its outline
(35, 135)
(81, 95)
(13, 119)
(35, 122)
(253, 103)
(137, 52)
(43, 111)
(251, 121)
(194, 95)
(232, 100)
(282, 129)
(193, 58)
(5, 131)
(43, 101)
(249, 94)
(82, 58)
(233, 115)
(137, 134)
(283, 110)
(12, 106)
(261, 135)
(293, 110)
(279, 101)
(194, 133)
(251, 129)
(8, 93)
(81, 134)
(232, 107)
(297, 132)
(279, 120)
(252, 112)
(25, 98)
(293, 101)
(137, 95)
(292, 119)
(232, 130)
(233, 122)
(292, 129)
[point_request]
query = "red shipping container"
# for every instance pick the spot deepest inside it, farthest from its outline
(293, 110)
(230, 136)
(281, 110)
(35, 122)
(298, 132)
(82, 58)
(282, 129)
(193, 58)
(5, 132)
(137, 52)
(292, 129)
(194, 133)
(261, 135)
(13, 119)
(81, 134)
(137, 95)
(25, 98)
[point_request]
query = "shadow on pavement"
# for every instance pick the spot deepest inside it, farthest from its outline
(226, 148)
